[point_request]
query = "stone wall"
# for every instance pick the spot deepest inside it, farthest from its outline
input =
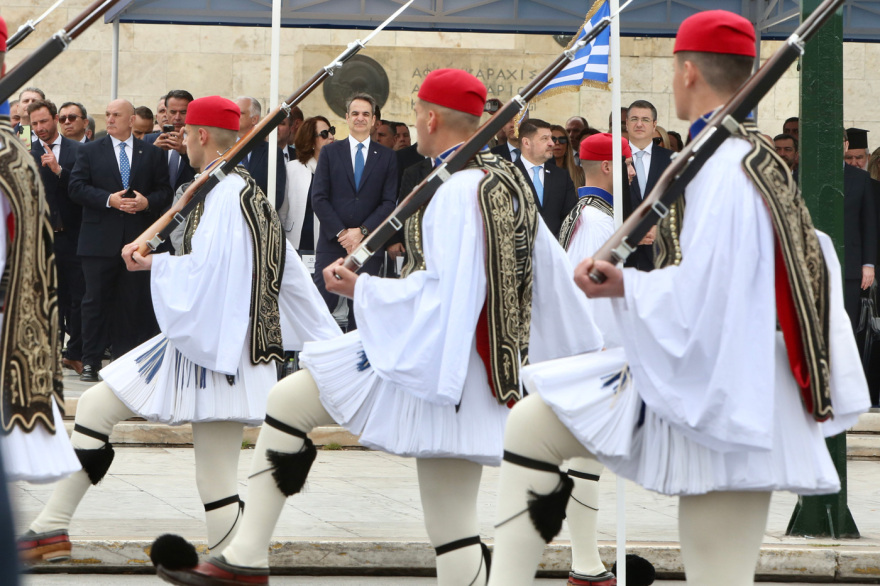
(233, 61)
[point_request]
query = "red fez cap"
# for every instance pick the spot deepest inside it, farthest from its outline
(716, 31)
(454, 89)
(4, 34)
(597, 147)
(214, 111)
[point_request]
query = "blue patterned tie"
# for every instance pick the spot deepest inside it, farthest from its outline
(539, 185)
(640, 171)
(124, 168)
(358, 165)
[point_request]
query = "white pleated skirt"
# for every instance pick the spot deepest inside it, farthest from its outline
(390, 419)
(160, 384)
(638, 445)
(39, 456)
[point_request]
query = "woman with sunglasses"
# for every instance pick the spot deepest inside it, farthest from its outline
(311, 137)
(564, 158)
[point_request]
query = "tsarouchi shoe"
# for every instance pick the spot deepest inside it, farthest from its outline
(215, 572)
(52, 546)
(603, 579)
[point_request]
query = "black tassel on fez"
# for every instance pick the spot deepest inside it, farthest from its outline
(291, 470)
(548, 510)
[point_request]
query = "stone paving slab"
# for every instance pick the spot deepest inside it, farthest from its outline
(361, 509)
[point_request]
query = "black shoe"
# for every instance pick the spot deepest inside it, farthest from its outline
(89, 374)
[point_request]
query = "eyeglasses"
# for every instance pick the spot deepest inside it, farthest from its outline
(559, 139)
(326, 133)
(71, 117)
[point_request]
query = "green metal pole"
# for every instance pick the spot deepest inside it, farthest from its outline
(821, 181)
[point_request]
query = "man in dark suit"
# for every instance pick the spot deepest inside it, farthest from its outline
(649, 161)
(179, 169)
(860, 236)
(354, 190)
(55, 156)
(74, 121)
(510, 150)
(257, 161)
(122, 183)
(552, 187)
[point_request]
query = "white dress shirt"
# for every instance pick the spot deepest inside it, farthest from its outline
(529, 166)
(352, 143)
(646, 158)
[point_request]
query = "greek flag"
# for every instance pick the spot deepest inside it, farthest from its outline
(590, 65)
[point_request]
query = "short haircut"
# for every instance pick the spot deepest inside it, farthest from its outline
(397, 126)
(455, 119)
(374, 107)
(589, 166)
(582, 119)
(143, 112)
(305, 138)
(296, 114)
(724, 73)
(391, 125)
(13, 103)
(179, 95)
(645, 105)
(530, 127)
(784, 136)
(377, 111)
(224, 137)
(82, 109)
(91, 123)
(254, 109)
(35, 90)
(792, 119)
(37, 104)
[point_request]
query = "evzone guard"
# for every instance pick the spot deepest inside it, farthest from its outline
(33, 441)
(432, 369)
(701, 401)
(222, 307)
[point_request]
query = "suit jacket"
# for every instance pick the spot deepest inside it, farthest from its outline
(185, 173)
(502, 150)
(339, 205)
(258, 166)
(643, 257)
(406, 158)
(560, 195)
(65, 214)
(412, 176)
(859, 222)
(95, 176)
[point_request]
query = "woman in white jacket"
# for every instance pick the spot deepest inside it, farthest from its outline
(300, 223)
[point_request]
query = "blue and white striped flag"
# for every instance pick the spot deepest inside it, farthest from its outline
(590, 65)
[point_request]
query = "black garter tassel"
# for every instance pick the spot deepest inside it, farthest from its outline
(291, 470)
(639, 571)
(548, 510)
(173, 552)
(96, 462)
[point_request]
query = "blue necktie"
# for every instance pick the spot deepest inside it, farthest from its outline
(640, 171)
(124, 168)
(514, 155)
(539, 185)
(358, 165)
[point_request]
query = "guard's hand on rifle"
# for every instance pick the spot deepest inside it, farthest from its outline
(611, 287)
(340, 280)
(135, 261)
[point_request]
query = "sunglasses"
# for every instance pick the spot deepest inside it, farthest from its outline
(71, 117)
(657, 140)
(326, 133)
(559, 139)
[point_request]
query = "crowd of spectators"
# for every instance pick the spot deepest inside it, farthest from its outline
(329, 200)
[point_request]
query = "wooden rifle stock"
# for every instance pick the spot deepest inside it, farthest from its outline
(723, 123)
(424, 191)
(19, 75)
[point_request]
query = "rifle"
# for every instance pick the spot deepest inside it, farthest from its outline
(28, 27)
(424, 191)
(198, 190)
(723, 123)
(36, 61)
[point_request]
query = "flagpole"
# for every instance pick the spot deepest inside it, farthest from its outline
(617, 153)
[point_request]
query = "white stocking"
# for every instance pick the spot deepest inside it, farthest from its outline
(217, 446)
(581, 514)
(99, 410)
(449, 488)
(721, 535)
(533, 432)
(294, 402)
